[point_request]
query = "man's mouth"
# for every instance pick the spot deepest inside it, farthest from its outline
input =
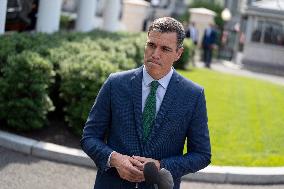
(154, 62)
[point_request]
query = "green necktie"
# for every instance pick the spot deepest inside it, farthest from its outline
(149, 110)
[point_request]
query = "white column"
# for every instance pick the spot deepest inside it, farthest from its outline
(86, 14)
(3, 12)
(111, 15)
(48, 16)
(249, 29)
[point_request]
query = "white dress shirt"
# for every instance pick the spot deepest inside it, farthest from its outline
(208, 31)
(193, 33)
(162, 88)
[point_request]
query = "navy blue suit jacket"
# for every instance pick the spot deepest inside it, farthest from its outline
(210, 40)
(115, 123)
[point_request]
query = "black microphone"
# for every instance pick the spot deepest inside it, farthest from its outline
(162, 178)
(151, 173)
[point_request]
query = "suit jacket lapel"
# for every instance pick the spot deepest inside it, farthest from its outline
(166, 104)
(136, 82)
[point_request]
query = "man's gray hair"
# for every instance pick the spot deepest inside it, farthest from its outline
(166, 25)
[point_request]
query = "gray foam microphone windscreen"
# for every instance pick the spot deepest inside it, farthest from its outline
(165, 180)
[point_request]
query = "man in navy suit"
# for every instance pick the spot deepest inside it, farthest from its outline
(123, 133)
(208, 44)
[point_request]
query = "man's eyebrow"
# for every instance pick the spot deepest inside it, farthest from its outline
(167, 47)
(163, 46)
(149, 42)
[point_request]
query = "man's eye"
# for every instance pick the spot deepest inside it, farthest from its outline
(166, 49)
(150, 45)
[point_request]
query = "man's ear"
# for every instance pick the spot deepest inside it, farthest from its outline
(179, 53)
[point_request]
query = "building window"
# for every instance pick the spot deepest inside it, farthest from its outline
(256, 34)
(269, 32)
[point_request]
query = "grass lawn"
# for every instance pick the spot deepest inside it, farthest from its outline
(246, 118)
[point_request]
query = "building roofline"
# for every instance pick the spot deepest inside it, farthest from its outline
(271, 13)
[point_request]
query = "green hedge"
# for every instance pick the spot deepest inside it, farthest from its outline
(82, 68)
(24, 101)
(81, 63)
(78, 63)
(81, 81)
(183, 62)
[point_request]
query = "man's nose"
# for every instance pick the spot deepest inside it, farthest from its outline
(156, 53)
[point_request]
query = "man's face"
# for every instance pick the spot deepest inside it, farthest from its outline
(160, 53)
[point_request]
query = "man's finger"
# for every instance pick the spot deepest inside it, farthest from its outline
(141, 159)
(146, 160)
(133, 178)
(127, 175)
(134, 175)
(135, 171)
(137, 163)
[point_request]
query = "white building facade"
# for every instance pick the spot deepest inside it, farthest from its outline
(264, 45)
(50, 11)
(91, 14)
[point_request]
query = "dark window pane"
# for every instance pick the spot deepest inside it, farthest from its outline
(256, 35)
(273, 33)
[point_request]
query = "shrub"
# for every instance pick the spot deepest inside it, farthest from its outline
(81, 61)
(139, 43)
(183, 61)
(82, 77)
(7, 47)
(24, 101)
(16, 43)
(66, 22)
(82, 67)
(118, 53)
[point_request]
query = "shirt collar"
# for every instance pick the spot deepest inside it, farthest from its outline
(164, 81)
